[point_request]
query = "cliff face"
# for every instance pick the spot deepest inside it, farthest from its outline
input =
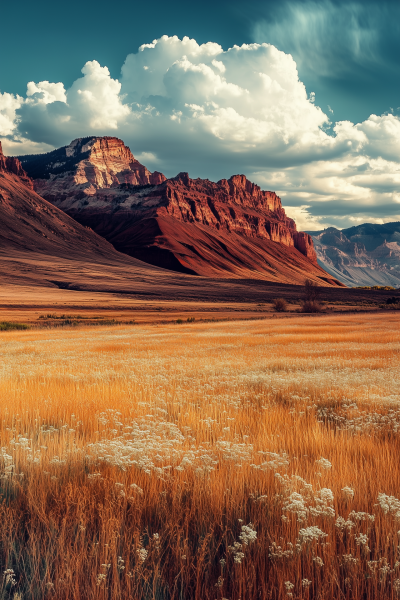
(86, 165)
(227, 229)
(12, 166)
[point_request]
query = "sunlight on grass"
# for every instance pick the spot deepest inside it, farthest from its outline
(231, 460)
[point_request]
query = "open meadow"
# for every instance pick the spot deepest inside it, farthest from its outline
(200, 461)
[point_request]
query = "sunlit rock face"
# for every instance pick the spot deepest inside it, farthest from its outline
(231, 228)
(87, 165)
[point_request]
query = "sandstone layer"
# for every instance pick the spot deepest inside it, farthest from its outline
(229, 229)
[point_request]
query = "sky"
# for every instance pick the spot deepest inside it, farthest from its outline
(301, 96)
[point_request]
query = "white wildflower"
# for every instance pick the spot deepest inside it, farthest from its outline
(323, 499)
(324, 463)
(236, 550)
(9, 577)
(142, 554)
(362, 540)
(389, 504)
(248, 534)
(342, 524)
(309, 534)
(277, 552)
(361, 516)
(276, 462)
(349, 559)
(348, 493)
(295, 504)
(120, 564)
(94, 477)
(136, 489)
(289, 587)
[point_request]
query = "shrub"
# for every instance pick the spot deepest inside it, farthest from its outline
(10, 326)
(191, 319)
(279, 304)
(312, 291)
(311, 306)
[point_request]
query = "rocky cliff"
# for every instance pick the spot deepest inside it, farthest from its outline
(12, 166)
(227, 229)
(41, 246)
(364, 255)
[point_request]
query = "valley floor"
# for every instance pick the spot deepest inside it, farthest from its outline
(52, 307)
(236, 460)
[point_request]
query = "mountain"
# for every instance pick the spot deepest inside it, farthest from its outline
(229, 229)
(367, 254)
(40, 245)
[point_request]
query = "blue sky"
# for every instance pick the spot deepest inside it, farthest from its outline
(307, 132)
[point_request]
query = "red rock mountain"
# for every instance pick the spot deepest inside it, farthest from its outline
(40, 245)
(229, 229)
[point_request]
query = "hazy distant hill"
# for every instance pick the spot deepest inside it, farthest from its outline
(367, 254)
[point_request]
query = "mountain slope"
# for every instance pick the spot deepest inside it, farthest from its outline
(40, 245)
(367, 254)
(229, 229)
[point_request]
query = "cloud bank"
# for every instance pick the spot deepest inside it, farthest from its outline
(184, 106)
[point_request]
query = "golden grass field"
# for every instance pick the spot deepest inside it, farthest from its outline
(239, 460)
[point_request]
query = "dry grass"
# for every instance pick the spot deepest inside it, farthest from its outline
(139, 462)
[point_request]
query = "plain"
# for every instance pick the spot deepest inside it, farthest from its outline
(194, 461)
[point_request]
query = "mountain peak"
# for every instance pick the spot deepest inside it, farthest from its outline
(91, 163)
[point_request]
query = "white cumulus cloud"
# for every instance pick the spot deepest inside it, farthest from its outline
(8, 116)
(215, 112)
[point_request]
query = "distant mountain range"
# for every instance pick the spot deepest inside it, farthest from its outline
(364, 255)
(229, 229)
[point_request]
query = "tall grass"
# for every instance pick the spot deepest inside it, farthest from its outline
(243, 460)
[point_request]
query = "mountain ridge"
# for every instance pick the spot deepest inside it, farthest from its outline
(226, 229)
(366, 254)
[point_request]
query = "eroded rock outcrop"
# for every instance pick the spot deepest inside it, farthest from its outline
(231, 228)
(12, 166)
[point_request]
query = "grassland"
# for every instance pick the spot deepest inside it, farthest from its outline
(196, 461)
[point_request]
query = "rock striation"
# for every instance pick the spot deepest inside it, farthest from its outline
(86, 165)
(363, 255)
(226, 229)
